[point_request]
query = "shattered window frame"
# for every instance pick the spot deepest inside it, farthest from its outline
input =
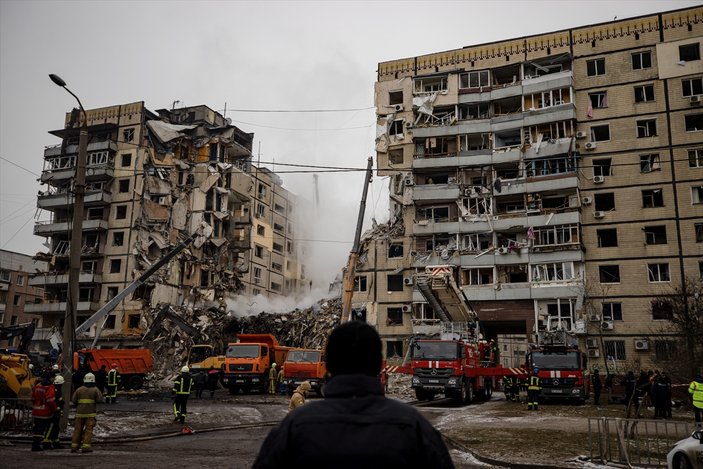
(275, 286)
(690, 52)
(650, 162)
(115, 266)
(394, 282)
(646, 128)
(394, 316)
(394, 349)
(133, 321)
(128, 135)
(655, 235)
(609, 273)
(110, 321)
(644, 93)
(121, 212)
(695, 158)
(607, 238)
(652, 198)
(395, 156)
(258, 251)
(360, 283)
(475, 79)
(396, 250)
(126, 160)
(123, 185)
(261, 230)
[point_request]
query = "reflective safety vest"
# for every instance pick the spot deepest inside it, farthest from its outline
(113, 378)
(183, 384)
(696, 389)
(534, 384)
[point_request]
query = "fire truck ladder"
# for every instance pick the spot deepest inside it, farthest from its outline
(439, 288)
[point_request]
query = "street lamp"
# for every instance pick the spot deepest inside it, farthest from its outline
(74, 264)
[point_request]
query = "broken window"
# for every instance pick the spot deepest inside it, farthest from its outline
(394, 349)
(478, 79)
(120, 212)
(395, 250)
(516, 273)
(277, 248)
(649, 163)
(604, 202)
(128, 135)
(646, 128)
(612, 311)
(695, 158)
(96, 158)
(260, 211)
(690, 52)
(115, 266)
(658, 272)
(360, 283)
(279, 209)
(694, 122)
(511, 205)
(477, 276)
(549, 166)
(428, 85)
(123, 185)
(655, 234)
(126, 160)
(278, 227)
(275, 286)
(394, 316)
(262, 190)
(395, 282)
(556, 235)
(89, 267)
(473, 142)
(698, 229)
(607, 238)
(641, 60)
(257, 274)
(644, 93)
(85, 294)
(396, 127)
(476, 242)
(260, 230)
(553, 272)
(475, 206)
(395, 97)
(276, 266)
(111, 293)
(595, 67)
(652, 198)
(599, 99)
(600, 133)
(437, 214)
(609, 273)
(474, 111)
(602, 167)
(692, 87)
(133, 321)
(109, 322)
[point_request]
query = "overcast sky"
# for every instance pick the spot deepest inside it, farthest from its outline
(250, 56)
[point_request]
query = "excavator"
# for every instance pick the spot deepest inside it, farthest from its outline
(16, 379)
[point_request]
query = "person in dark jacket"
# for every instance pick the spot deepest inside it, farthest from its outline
(51, 436)
(101, 379)
(213, 376)
(630, 382)
(200, 381)
(596, 385)
(355, 425)
(180, 393)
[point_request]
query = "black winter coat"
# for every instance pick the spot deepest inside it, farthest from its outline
(355, 426)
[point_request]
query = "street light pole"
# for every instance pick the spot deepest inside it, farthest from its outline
(69, 326)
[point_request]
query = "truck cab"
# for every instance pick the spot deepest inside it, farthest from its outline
(247, 362)
(304, 365)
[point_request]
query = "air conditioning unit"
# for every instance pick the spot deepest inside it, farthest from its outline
(587, 200)
(641, 344)
(594, 317)
(470, 192)
(580, 134)
(591, 343)
(444, 92)
(598, 214)
(598, 179)
(407, 308)
(590, 145)
(408, 181)
(503, 250)
(593, 353)
(408, 281)
(399, 107)
(408, 124)
(695, 99)
(607, 325)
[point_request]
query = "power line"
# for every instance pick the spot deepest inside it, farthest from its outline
(21, 167)
(303, 128)
(299, 110)
(18, 230)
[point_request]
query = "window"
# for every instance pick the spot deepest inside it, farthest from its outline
(110, 322)
(641, 60)
(602, 167)
(257, 274)
(689, 52)
(17, 300)
(664, 350)
(396, 127)
(700, 270)
(695, 158)
(395, 282)
(279, 209)
(652, 198)
(649, 163)
(128, 135)
(644, 93)
(111, 292)
(118, 238)
(600, 133)
(4, 276)
(120, 212)
(599, 100)
(658, 272)
(552, 272)
(260, 230)
(260, 210)
(115, 266)
(604, 202)
(126, 160)
(394, 349)
(699, 232)
(123, 185)
(697, 195)
(614, 349)
(395, 156)
(395, 250)
(474, 79)
(276, 266)
(395, 97)
(609, 273)
(477, 276)
(278, 248)
(607, 238)
(647, 128)
(259, 251)
(595, 67)
(275, 286)
(133, 321)
(662, 310)
(20, 280)
(360, 283)
(89, 267)
(655, 234)
(694, 122)
(394, 316)
(612, 311)
(692, 87)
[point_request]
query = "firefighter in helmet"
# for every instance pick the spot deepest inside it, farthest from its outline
(113, 379)
(533, 389)
(272, 379)
(180, 394)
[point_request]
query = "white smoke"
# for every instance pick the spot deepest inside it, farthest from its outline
(253, 305)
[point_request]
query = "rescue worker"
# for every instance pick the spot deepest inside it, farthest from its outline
(280, 381)
(299, 395)
(533, 389)
(509, 387)
(355, 425)
(272, 379)
(596, 385)
(200, 381)
(101, 378)
(630, 383)
(515, 391)
(113, 380)
(695, 389)
(85, 399)
(180, 393)
(51, 437)
(213, 376)
(43, 409)
(659, 395)
(667, 394)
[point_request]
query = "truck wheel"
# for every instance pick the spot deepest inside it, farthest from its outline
(469, 392)
(489, 390)
(135, 382)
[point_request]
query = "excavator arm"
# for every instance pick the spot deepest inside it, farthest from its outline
(24, 331)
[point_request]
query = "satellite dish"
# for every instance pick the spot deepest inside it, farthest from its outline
(228, 121)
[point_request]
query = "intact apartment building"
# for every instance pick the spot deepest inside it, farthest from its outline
(17, 296)
(560, 176)
(152, 179)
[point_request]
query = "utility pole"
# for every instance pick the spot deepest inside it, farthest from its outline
(74, 272)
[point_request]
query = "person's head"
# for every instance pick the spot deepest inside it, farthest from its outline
(185, 369)
(58, 380)
(353, 347)
(103, 367)
(305, 387)
(89, 379)
(114, 366)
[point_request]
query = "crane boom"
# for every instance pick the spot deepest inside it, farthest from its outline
(350, 271)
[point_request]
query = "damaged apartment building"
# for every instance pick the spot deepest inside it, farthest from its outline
(557, 176)
(152, 179)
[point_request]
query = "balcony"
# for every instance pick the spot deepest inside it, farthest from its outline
(55, 150)
(49, 228)
(66, 199)
(503, 222)
(52, 278)
(57, 307)
(436, 193)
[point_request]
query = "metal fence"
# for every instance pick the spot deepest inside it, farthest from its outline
(15, 414)
(638, 442)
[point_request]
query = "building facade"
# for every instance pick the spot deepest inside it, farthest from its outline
(152, 179)
(559, 176)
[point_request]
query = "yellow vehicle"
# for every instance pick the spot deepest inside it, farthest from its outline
(16, 379)
(202, 357)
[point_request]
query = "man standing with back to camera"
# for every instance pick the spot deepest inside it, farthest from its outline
(355, 425)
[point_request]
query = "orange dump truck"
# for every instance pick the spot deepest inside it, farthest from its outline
(248, 361)
(304, 365)
(133, 364)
